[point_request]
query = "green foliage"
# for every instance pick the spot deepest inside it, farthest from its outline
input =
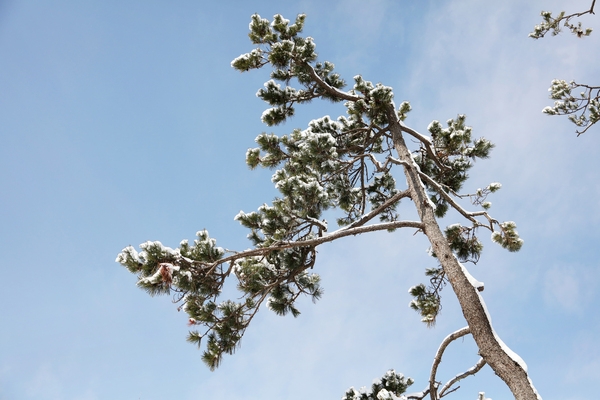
(344, 164)
(403, 110)
(456, 151)
(427, 299)
(426, 302)
(464, 243)
(508, 237)
(389, 387)
(553, 24)
(583, 109)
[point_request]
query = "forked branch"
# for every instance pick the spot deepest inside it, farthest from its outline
(471, 371)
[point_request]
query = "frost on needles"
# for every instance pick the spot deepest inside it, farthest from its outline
(351, 165)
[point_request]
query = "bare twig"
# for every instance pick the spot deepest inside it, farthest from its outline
(438, 358)
(471, 371)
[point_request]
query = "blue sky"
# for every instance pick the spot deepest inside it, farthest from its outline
(122, 122)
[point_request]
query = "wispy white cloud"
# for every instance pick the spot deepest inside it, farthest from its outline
(568, 288)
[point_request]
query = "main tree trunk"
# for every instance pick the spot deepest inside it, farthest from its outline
(494, 352)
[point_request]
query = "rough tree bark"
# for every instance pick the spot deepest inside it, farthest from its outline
(490, 348)
(507, 365)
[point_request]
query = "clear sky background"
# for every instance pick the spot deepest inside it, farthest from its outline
(122, 121)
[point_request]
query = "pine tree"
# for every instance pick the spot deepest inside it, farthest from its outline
(349, 165)
(583, 109)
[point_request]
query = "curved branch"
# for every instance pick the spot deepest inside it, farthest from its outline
(426, 142)
(471, 371)
(328, 88)
(438, 358)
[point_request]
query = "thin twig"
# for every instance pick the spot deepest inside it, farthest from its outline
(438, 358)
(471, 371)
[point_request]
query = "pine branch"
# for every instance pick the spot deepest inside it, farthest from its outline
(373, 213)
(426, 141)
(468, 215)
(583, 109)
(553, 23)
(495, 353)
(340, 233)
(334, 92)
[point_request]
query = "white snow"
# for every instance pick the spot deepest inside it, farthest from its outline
(474, 282)
(152, 279)
(129, 250)
(516, 358)
(239, 215)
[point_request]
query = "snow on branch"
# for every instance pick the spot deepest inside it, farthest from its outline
(468, 215)
(433, 384)
(426, 141)
(334, 92)
(583, 110)
(342, 232)
(471, 371)
(553, 24)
